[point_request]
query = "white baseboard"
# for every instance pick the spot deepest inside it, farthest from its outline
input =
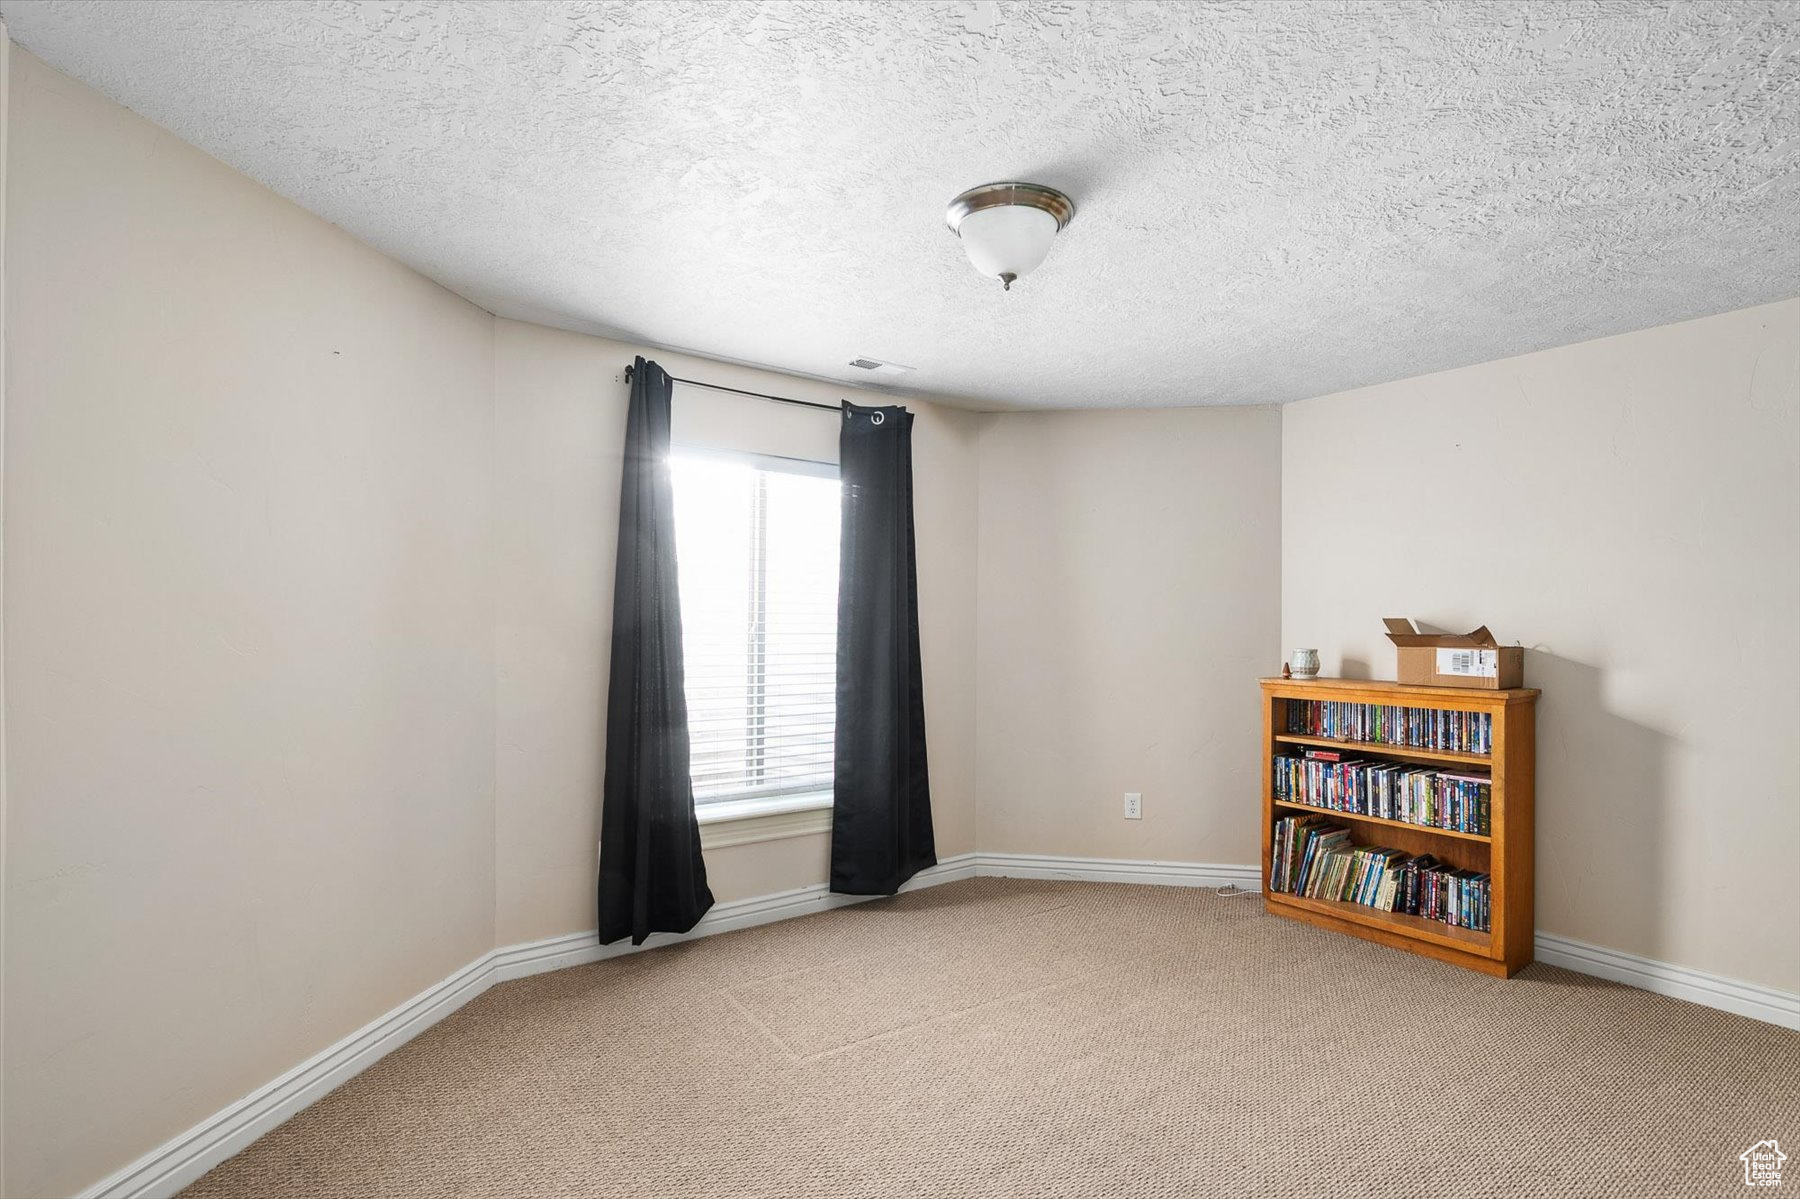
(1119, 870)
(172, 1165)
(177, 1162)
(578, 949)
(168, 1168)
(1664, 978)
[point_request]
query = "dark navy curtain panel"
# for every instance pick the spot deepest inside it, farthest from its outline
(652, 877)
(881, 812)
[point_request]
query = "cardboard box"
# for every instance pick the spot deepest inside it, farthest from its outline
(1454, 659)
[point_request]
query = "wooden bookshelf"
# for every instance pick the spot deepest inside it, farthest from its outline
(1505, 853)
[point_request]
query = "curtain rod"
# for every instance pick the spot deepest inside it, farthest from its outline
(756, 395)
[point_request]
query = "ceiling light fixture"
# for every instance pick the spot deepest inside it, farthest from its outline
(1007, 227)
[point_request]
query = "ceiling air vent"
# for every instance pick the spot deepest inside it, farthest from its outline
(881, 370)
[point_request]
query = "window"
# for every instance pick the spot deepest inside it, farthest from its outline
(756, 540)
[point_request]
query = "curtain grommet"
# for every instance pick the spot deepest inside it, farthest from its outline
(877, 418)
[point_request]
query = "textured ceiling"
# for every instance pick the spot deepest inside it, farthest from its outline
(1276, 200)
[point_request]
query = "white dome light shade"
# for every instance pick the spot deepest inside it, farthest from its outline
(1007, 228)
(1007, 243)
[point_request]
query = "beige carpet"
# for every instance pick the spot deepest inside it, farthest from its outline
(1001, 1037)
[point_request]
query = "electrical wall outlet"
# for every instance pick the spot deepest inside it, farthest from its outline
(1134, 805)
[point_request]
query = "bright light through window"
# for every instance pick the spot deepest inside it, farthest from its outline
(758, 556)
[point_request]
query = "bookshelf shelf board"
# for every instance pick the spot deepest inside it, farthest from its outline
(1414, 927)
(1334, 814)
(1379, 749)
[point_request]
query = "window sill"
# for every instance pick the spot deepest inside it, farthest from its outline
(747, 821)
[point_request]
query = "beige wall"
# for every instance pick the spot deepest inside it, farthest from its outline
(248, 635)
(559, 424)
(1626, 508)
(1130, 568)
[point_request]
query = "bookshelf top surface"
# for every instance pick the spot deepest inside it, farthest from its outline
(1397, 693)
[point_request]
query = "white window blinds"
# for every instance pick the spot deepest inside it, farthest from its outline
(756, 542)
